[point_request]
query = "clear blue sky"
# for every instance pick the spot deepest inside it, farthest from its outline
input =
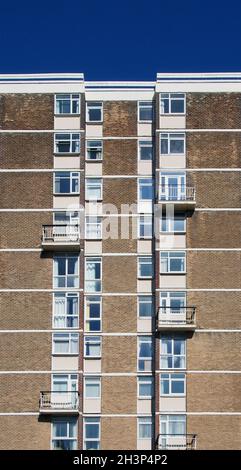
(120, 40)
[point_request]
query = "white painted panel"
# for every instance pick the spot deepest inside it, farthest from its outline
(172, 241)
(145, 167)
(144, 324)
(172, 404)
(93, 130)
(92, 405)
(93, 208)
(172, 122)
(64, 202)
(93, 169)
(65, 363)
(93, 247)
(144, 247)
(143, 444)
(66, 162)
(143, 406)
(172, 161)
(105, 94)
(145, 207)
(92, 365)
(173, 281)
(67, 122)
(144, 286)
(145, 129)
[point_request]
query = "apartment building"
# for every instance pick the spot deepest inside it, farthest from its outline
(120, 262)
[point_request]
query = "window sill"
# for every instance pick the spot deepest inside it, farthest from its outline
(172, 114)
(66, 154)
(173, 272)
(94, 161)
(93, 200)
(66, 194)
(94, 122)
(145, 278)
(92, 357)
(65, 354)
(145, 122)
(67, 114)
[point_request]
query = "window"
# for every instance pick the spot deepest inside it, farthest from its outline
(93, 274)
(66, 271)
(66, 182)
(66, 217)
(145, 150)
(67, 143)
(145, 427)
(66, 310)
(172, 103)
(145, 306)
(173, 424)
(65, 343)
(92, 387)
(93, 307)
(94, 150)
(91, 433)
(92, 346)
(67, 104)
(93, 227)
(173, 353)
(65, 391)
(173, 262)
(172, 302)
(172, 144)
(145, 111)
(64, 434)
(145, 189)
(94, 111)
(93, 189)
(176, 224)
(145, 387)
(144, 353)
(145, 226)
(172, 384)
(145, 269)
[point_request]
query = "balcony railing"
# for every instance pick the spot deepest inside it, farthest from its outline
(177, 194)
(59, 402)
(177, 441)
(176, 318)
(63, 235)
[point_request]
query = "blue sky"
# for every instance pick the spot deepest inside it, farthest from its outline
(120, 40)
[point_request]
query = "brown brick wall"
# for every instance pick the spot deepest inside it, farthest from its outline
(25, 310)
(120, 191)
(26, 150)
(216, 432)
(19, 270)
(214, 351)
(120, 118)
(212, 230)
(29, 228)
(20, 392)
(216, 309)
(119, 354)
(119, 314)
(119, 273)
(120, 157)
(216, 189)
(25, 351)
(118, 433)
(213, 111)
(26, 190)
(118, 395)
(214, 392)
(213, 269)
(124, 229)
(24, 433)
(26, 111)
(213, 150)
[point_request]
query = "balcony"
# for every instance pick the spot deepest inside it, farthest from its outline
(177, 441)
(61, 237)
(176, 318)
(59, 402)
(183, 197)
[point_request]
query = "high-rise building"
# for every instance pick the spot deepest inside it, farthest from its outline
(120, 262)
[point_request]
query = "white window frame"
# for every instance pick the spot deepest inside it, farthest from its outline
(145, 142)
(94, 259)
(89, 299)
(167, 296)
(170, 137)
(170, 98)
(69, 335)
(96, 147)
(90, 104)
(65, 438)
(94, 339)
(170, 379)
(167, 419)
(150, 105)
(72, 217)
(68, 378)
(148, 421)
(144, 220)
(94, 420)
(169, 257)
(96, 381)
(143, 260)
(65, 316)
(172, 355)
(141, 301)
(95, 223)
(67, 276)
(145, 181)
(170, 223)
(73, 97)
(144, 339)
(71, 140)
(92, 181)
(145, 379)
(73, 175)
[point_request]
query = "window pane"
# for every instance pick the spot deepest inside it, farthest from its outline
(177, 106)
(176, 146)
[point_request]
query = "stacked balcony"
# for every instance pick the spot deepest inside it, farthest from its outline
(59, 402)
(176, 318)
(181, 196)
(64, 237)
(177, 441)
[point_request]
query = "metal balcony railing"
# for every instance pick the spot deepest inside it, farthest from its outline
(177, 193)
(64, 233)
(177, 441)
(176, 316)
(59, 401)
